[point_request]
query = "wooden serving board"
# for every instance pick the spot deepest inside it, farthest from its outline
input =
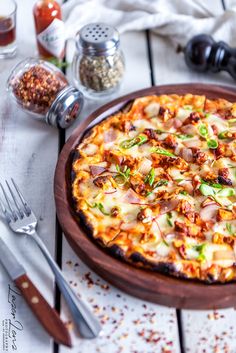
(142, 283)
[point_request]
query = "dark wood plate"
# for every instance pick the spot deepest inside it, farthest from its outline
(144, 284)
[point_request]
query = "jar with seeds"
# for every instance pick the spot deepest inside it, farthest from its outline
(42, 90)
(98, 65)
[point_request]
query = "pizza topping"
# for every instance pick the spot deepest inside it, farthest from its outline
(198, 156)
(227, 135)
(185, 207)
(170, 142)
(123, 175)
(224, 255)
(96, 170)
(138, 185)
(164, 113)
(145, 215)
(203, 131)
(223, 177)
(193, 118)
(145, 166)
(208, 190)
(215, 129)
(103, 181)
(138, 140)
(152, 110)
(115, 211)
(230, 228)
(225, 215)
(187, 154)
(131, 197)
(99, 206)
(89, 149)
(102, 209)
(151, 134)
(209, 212)
(169, 219)
(110, 135)
(159, 180)
(150, 178)
(114, 157)
(168, 206)
(127, 126)
(201, 249)
(162, 151)
(220, 150)
(212, 144)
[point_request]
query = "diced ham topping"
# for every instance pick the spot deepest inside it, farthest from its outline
(209, 212)
(110, 135)
(187, 154)
(131, 197)
(96, 170)
(167, 206)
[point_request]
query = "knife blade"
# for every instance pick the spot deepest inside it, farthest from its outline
(46, 315)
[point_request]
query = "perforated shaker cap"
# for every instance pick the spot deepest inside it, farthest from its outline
(98, 39)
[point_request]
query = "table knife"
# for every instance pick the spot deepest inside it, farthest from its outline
(46, 315)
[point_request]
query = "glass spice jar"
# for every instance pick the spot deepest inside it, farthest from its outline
(41, 89)
(98, 64)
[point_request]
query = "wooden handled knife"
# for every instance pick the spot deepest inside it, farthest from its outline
(47, 316)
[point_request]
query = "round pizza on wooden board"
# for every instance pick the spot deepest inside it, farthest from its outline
(155, 185)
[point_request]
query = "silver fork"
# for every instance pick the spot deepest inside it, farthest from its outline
(21, 219)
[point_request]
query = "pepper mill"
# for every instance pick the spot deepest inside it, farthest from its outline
(203, 54)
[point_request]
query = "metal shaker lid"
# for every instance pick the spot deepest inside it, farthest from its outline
(65, 108)
(98, 39)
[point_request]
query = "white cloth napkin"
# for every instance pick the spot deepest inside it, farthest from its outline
(178, 19)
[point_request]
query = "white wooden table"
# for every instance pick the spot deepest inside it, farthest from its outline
(29, 150)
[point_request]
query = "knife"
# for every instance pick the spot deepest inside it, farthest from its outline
(46, 315)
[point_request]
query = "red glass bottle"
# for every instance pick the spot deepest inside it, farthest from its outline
(49, 29)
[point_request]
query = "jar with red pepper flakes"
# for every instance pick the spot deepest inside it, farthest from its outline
(42, 90)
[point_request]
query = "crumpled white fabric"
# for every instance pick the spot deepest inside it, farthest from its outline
(178, 19)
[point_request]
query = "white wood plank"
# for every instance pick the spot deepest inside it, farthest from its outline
(129, 324)
(204, 331)
(230, 4)
(209, 331)
(28, 152)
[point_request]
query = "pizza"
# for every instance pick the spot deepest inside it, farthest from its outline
(154, 184)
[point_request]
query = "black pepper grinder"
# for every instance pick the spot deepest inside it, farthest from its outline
(203, 54)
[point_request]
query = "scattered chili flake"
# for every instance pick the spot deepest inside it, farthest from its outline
(89, 279)
(213, 316)
(97, 309)
(136, 322)
(69, 324)
(165, 350)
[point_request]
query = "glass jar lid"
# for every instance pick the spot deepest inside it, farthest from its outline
(98, 39)
(66, 108)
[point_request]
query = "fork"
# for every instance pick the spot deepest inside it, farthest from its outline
(22, 220)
